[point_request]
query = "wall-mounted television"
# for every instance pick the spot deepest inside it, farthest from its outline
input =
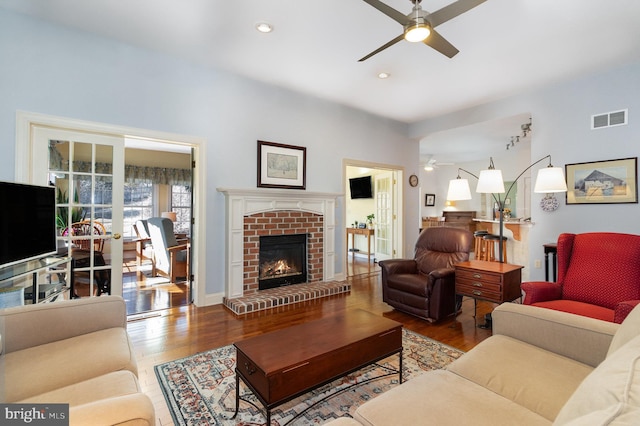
(361, 187)
(27, 222)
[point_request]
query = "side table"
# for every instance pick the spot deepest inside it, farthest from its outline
(359, 231)
(491, 281)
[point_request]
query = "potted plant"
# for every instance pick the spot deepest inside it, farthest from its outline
(370, 220)
(62, 213)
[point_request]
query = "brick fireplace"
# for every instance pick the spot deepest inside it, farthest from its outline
(282, 222)
(251, 213)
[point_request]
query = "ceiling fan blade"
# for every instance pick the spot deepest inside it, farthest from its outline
(381, 48)
(439, 43)
(389, 11)
(451, 11)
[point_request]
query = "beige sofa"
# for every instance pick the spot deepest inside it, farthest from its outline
(76, 352)
(540, 367)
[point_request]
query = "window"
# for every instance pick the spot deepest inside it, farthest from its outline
(181, 205)
(138, 203)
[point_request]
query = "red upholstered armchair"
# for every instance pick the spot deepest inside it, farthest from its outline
(425, 286)
(598, 276)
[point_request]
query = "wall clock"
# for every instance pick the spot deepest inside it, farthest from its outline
(413, 180)
(549, 203)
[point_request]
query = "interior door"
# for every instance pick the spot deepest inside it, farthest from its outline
(88, 172)
(384, 223)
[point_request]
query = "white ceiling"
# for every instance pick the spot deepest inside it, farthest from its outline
(506, 46)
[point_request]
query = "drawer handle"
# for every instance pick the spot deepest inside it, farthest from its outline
(250, 368)
(294, 367)
(478, 276)
(476, 284)
(477, 293)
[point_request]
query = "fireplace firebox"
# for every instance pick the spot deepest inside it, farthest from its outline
(282, 260)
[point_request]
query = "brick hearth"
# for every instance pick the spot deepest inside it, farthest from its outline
(287, 295)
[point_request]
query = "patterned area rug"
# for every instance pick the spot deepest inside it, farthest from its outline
(200, 389)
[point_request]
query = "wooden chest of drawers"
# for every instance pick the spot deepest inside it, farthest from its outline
(460, 219)
(493, 281)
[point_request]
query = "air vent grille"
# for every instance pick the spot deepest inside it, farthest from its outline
(609, 119)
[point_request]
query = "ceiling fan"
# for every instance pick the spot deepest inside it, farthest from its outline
(420, 25)
(434, 164)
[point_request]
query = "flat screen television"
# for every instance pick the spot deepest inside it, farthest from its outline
(27, 222)
(360, 187)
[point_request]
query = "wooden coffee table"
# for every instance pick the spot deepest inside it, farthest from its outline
(284, 364)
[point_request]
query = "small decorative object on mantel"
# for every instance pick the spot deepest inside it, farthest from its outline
(549, 203)
(281, 166)
(603, 182)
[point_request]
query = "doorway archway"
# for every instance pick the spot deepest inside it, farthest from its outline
(386, 205)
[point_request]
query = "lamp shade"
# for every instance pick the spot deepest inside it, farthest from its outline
(458, 190)
(170, 215)
(550, 179)
(490, 181)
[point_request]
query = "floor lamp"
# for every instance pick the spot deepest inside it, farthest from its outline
(550, 179)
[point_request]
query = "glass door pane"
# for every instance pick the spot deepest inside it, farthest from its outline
(87, 171)
(384, 216)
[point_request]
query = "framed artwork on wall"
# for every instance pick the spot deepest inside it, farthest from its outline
(281, 166)
(429, 200)
(602, 182)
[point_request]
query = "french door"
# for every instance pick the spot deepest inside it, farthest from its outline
(385, 217)
(87, 170)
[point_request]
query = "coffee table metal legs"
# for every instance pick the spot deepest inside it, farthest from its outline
(237, 396)
(268, 409)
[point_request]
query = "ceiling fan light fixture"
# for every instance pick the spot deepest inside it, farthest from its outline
(417, 33)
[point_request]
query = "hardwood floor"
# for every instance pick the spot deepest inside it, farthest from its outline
(143, 294)
(178, 332)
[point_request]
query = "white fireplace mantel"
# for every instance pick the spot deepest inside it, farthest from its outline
(245, 202)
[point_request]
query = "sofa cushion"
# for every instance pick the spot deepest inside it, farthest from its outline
(343, 421)
(608, 417)
(410, 283)
(118, 383)
(441, 398)
(110, 399)
(578, 308)
(628, 330)
(611, 391)
(504, 365)
(43, 368)
(583, 339)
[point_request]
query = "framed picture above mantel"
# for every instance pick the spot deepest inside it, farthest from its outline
(281, 166)
(603, 182)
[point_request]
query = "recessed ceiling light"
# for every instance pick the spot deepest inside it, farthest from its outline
(264, 27)
(384, 75)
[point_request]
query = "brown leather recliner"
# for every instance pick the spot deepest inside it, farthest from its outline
(425, 286)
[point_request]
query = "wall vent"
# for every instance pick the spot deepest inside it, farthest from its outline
(609, 119)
